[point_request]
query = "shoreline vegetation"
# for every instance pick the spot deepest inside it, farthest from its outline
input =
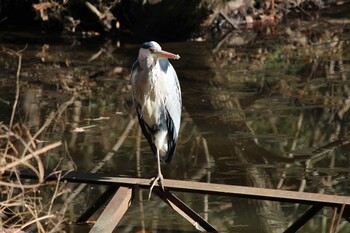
(31, 205)
(163, 20)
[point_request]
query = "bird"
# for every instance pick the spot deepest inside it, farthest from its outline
(157, 99)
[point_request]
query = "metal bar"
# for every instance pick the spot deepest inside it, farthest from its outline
(304, 218)
(204, 188)
(114, 211)
(97, 204)
(184, 210)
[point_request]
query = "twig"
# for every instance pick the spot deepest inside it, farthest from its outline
(228, 20)
(34, 221)
(330, 230)
(55, 193)
(304, 11)
(94, 9)
(24, 163)
(34, 213)
(339, 218)
(225, 38)
(3, 19)
(16, 99)
(40, 173)
(31, 155)
(4, 101)
(96, 55)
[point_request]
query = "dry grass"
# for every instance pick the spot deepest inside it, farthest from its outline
(27, 205)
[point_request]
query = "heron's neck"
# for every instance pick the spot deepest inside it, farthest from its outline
(147, 63)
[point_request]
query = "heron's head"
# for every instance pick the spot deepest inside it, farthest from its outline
(153, 52)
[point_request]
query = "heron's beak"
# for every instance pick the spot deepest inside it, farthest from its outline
(166, 55)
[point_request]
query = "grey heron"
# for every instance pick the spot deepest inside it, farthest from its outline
(157, 98)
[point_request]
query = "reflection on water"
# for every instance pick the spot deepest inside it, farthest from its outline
(269, 113)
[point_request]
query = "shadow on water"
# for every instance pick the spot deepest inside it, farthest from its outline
(261, 108)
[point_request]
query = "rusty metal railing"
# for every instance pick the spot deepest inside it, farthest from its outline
(122, 190)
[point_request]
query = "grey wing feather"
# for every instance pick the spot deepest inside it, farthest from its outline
(173, 105)
(173, 102)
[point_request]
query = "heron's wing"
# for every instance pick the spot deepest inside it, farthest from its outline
(172, 102)
(172, 105)
(172, 139)
(145, 129)
(134, 67)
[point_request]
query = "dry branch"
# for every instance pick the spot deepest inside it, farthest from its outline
(31, 155)
(21, 204)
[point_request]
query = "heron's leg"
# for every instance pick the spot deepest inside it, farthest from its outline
(160, 175)
(158, 179)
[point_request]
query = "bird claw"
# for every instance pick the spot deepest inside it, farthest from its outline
(158, 179)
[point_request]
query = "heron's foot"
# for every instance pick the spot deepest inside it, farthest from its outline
(158, 179)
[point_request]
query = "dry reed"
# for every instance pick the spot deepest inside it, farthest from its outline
(26, 205)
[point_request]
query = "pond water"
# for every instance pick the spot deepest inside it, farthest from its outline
(266, 107)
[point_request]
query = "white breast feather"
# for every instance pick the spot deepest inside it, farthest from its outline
(151, 109)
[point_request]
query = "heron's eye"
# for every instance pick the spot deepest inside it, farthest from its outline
(152, 50)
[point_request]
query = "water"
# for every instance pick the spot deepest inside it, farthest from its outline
(262, 108)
